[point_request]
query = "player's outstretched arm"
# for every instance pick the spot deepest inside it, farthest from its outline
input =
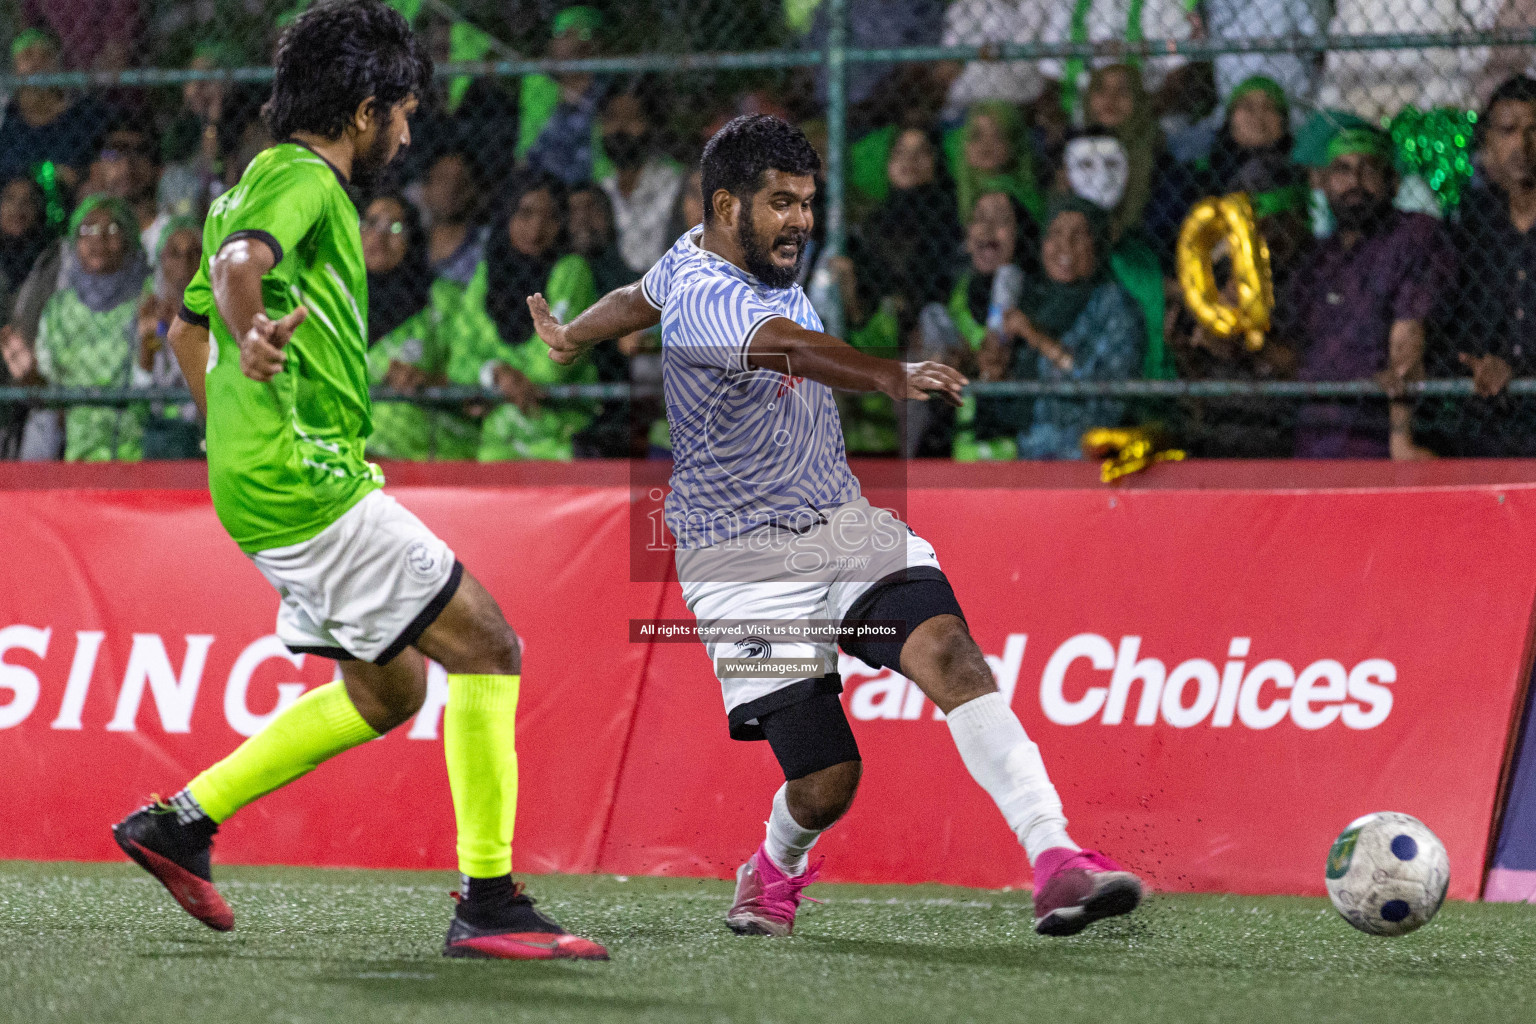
(235, 273)
(620, 312)
(189, 343)
(784, 346)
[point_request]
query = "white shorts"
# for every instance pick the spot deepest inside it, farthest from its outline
(366, 587)
(755, 596)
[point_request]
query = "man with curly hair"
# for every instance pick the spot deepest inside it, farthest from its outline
(278, 316)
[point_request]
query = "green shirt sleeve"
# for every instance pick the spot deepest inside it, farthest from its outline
(278, 207)
(1135, 266)
(570, 290)
(473, 341)
(197, 300)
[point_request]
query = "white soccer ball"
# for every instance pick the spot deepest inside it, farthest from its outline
(1387, 873)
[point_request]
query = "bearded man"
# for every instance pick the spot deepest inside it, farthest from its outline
(1356, 308)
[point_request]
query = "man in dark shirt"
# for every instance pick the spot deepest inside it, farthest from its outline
(1491, 321)
(1355, 309)
(46, 125)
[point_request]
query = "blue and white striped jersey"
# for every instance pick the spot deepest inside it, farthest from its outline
(750, 447)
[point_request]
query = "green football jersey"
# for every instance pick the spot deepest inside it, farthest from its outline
(285, 458)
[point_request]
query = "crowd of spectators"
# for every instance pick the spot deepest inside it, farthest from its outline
(1017, 219)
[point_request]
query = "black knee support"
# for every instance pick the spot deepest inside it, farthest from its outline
(810, 735)
(909, 598)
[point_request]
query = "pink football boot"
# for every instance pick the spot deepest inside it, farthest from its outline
(1074, 888)
(767, 898)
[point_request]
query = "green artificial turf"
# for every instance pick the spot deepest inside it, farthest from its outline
(103, 943)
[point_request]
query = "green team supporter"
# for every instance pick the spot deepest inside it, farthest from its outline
(85, 337)
(509, 433)
(869, 156)
(285, 458)
(404, 430)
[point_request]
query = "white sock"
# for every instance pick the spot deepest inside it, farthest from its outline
(788, 841)
(1003, 760)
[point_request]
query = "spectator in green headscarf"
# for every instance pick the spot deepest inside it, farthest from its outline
(84, 337)
(996, 156)
(1257, 127)
(558, 127)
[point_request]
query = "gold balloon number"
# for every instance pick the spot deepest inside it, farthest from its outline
(1229, 218)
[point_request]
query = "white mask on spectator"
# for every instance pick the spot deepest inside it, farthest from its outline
(1098, 169)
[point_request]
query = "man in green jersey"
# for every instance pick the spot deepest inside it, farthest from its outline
(282, 293)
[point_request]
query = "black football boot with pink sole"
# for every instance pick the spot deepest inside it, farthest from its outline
(177, 855)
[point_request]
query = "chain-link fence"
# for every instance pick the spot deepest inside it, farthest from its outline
(1011, 186)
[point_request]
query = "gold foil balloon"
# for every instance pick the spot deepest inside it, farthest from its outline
(1230, 219)
(1129, 450)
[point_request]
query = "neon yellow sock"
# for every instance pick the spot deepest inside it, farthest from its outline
(479, 732)
(319, 725)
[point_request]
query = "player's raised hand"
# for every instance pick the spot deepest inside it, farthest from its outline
(929, 380)
(261, 349)
(553, 333)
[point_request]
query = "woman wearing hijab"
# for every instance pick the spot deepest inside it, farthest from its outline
(1073, 322)
(592, 234)
(1257, 129)
(913, 233)
(1095, 167)
(901, 261)
(1118, 103)
(170, 431)
(83, 337)
(407, 345)
(495, 343)
(996, 156)
(1158, 190)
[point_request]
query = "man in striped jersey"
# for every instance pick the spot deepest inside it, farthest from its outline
(775, 543)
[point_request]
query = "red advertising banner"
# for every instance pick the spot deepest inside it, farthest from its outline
(137, 644)
(1222, 667)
